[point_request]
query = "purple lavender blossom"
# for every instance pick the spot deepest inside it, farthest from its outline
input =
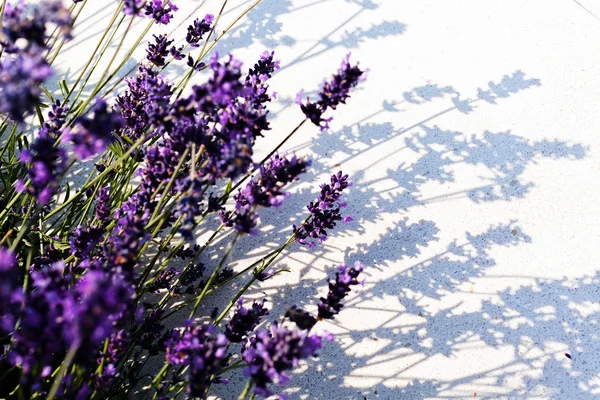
(258, 76)
(20, 80)
(46, 163)
(92, 135)
(334, 92)
(275, 174)
(163, 280)
(203, 350)
(39, 344)
(302, 319)
(132, 7)
(146, 103)
(24, 28)
(11, 295)
(55, 122)
(83, 241)
(157, 51)
(103, 205)
(325, 211)
(244, 320)
(161, 15)
(273, 352)
(101, 300)
(198, 28)
(338, 289)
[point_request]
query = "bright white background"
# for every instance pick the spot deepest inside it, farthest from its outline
(473, 146)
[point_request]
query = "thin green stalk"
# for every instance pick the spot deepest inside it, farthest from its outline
(62, 371)
(214, 275)
(108, 27)
(99, 177)
(246, 390)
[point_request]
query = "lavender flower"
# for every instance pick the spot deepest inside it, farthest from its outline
(344, 278)
(20, 80)
(333, 93)
(92, 135)
(273, 352)
(102, 299)
(163, 280)
(11, 295)
(132, 7)
(46, 163)
(301, 318)
(83, 241)
(57, 116)
(198, 28)
(325, 211)
(157, 51)
(258, 76)
(39, 344)
(244, 320)
(103, 205)
(203, 350)
(275, 174)
(146, 103)
(161, 15)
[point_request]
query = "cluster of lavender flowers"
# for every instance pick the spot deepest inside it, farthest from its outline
(88, 278)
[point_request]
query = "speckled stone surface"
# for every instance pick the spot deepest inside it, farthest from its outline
(474, 149)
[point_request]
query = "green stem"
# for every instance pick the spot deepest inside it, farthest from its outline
(62, 371)
(214, 275)
(246, 390)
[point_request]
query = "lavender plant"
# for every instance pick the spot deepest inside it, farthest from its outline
(88, 279)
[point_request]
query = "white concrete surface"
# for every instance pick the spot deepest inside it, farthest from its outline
(474, 148)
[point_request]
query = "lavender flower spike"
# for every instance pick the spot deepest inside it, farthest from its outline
(273, 352)
(334, 92)
(325, 211)
(244, 320)
(11, 295)
(344, 278)
(203, 350)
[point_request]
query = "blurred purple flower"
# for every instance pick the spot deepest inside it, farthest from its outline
(203, 350)
(20, 80)
(161, 14)
(11, 295)
(244, 320)
(92, 135)
(272, 352)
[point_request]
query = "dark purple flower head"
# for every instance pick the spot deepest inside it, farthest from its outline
(146, 102)
(83, 241)
(157, 51)
(203, 350)
(257, 78)
(103, 205)
(11, 295)
(198, 28)
(102, 298)
(161, 14)
(92, 135)
(24, 29)
(334, 92)
(46, 163)
(302, 319)
(244, 320)
(243, 219)
(40, 344)
(132, 7)
(278, 172)
(338, 289)
(325, 211)
(273, 352)
(56, 120)
(20, 80)
(163, 280)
